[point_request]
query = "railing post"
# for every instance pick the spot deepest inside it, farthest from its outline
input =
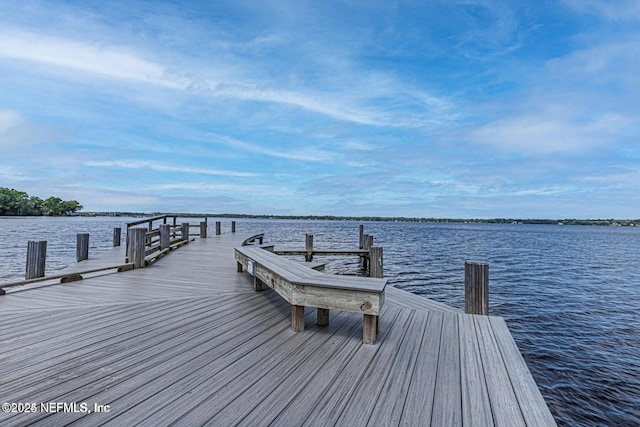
(203, 229)
(175, 225)
(117, 235)
(233, 226)
(36, 259)
(376, 267)
(136, 245)
(218, 228)
(165, 236)
(185, 231)
(308, 246)
(476, 288)
(82, 247)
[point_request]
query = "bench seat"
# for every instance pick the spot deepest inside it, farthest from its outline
(303, 287)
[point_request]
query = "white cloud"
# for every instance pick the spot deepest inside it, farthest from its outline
(159, 167)
(81, 56)
(617, 11)
(548, 132)
(251, 189)
(8, 120)
(309, 154)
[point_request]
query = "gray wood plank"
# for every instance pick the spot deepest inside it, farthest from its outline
(390, 403)
(447, 402)
(476, 409)
(344, 393)
(504, 404)
(534, 409)
(418, 407)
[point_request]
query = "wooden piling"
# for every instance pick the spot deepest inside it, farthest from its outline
(218, 228)
(376, 267)
(185, 231)
(36, 259)
(203, 230)
(136, 244)
(308, 246)
(367, 242)
(361, 241)
(233, 226)
(165, 236)
(476, 288)
(117, 236)
(82, 246)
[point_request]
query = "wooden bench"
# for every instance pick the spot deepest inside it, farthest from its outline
(304, 287)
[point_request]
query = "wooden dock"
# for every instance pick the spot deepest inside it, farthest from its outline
(187, 341)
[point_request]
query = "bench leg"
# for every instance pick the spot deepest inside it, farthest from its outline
(297, 318)
(257, 284)
(369, 329)
(323, 316)
(239, 269)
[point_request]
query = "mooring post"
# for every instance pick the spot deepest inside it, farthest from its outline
(476, 288)
(233, 226)
(361, 241)
(136, 245)
(218, 228)
(36, 259)
(82, 246)
(308, 246)
(165, 236)
(367, 242)
(203, 230)
(117, 235)
(185, 231)
(376, 267)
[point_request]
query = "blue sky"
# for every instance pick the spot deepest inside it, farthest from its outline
(470, 109)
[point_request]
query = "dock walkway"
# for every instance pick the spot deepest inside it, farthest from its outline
(188, 342)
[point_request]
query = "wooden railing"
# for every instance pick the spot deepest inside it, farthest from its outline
(150, 239)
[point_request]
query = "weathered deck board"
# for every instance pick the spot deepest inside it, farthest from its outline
(187, 341)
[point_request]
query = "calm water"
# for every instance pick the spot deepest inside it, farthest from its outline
(570, 294)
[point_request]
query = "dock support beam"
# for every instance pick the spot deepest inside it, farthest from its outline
(165, 236)
(117, 236)
(82, 247)
(297, 318)
(476, 288)
(233, 226)
(308, 246)
(376, 269)
(369, 329)
(203, 230)
(36, 259)
(185, 231)
(136, 243)
(323, 316)
(367, 243)
(376, 266)
(218, 228)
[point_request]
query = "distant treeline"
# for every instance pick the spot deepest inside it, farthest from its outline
(615, 222)
(14, 202)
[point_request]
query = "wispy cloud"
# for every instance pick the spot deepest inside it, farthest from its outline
(80, 56)
(159, 167)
